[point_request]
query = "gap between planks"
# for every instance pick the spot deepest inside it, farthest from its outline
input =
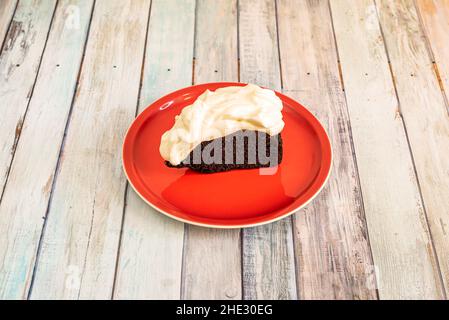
(58, 163)
(127, 186)
(46, 262)
(395, 94)
(22, 119)
(431, 53)
(8, 26)
(351, 139)
(435, 66)
(435, 72)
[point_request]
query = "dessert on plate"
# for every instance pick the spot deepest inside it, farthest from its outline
(235, 127)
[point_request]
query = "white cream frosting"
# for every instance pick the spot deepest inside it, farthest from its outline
(218, 113)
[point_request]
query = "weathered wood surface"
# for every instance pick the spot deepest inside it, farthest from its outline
(331, 242)
(19, 63)
(399, 234)
(435, 17)
(212, 257)
(38, 149)
(7, 9)
(71, 227)
(424, 113)
(151, 252)
(81, 238)
(268, 260)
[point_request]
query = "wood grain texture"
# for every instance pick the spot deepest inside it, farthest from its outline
(19, 64)
(424, 113)
(216, 52)
(435, 17)
(80, 242)
(150, 260)
(331, 243)
(24, 203)
(212, 257)
(399, 235)
(7, 8)
(268, 258)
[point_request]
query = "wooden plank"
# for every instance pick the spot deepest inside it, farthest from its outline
(268, 260)
(435, 17)
(19, 64)
(212, 257)
(216, 42)
(38, 149)
(424, 113)
(80, 242)
(331, 244)
(7, 8)
(168, 66)
(399, 235)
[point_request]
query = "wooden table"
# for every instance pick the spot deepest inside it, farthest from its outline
(74, 74)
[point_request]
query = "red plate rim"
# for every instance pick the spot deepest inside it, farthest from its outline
(303, 200)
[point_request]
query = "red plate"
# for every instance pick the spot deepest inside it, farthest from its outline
(234, 199)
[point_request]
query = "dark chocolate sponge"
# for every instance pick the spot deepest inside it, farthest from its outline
(249, 154)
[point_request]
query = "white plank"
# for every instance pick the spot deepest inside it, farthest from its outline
(399, 235)
(212, 258)
(27, 191)
(435, 17)
(80, 243)
(216, 44)
(7, 8)
(331, 245)
(424, 111)
(212, 264)
(19, 63)
(150, 259)
(268, 260)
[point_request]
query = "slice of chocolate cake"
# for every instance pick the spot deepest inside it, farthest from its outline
(235, 127)
(244, 149)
